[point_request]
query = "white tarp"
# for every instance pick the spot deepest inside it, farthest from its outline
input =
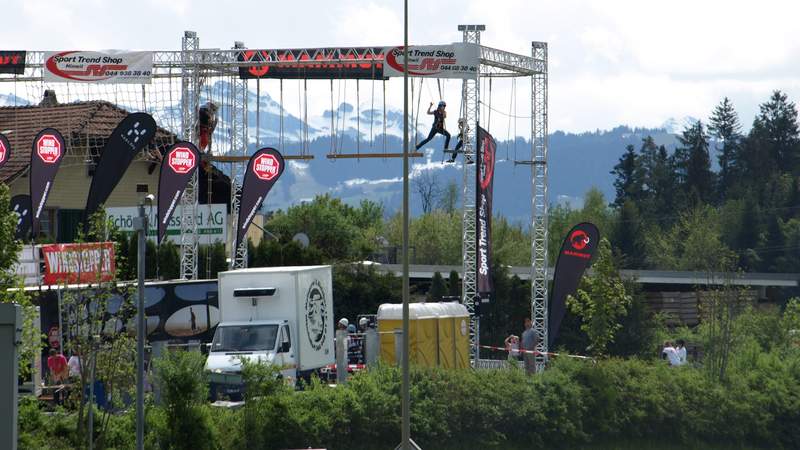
(98, 67)
(211, 227)
(27, 266)
(458, 60)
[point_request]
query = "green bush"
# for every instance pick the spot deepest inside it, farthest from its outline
(186, 420)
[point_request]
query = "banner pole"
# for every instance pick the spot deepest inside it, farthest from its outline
(406, 424)
(140, 328)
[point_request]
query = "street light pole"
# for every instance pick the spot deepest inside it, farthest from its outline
(140, 225)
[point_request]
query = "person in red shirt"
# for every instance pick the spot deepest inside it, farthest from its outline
(57, 364)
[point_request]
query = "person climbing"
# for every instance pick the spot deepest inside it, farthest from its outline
(463, 129)
(439, 115)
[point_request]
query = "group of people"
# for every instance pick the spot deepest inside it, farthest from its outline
(527, 343)
(61, 369)
(439, 115)
(355, 339)
(674, 354)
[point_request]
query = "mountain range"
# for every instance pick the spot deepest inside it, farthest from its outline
(577, 161)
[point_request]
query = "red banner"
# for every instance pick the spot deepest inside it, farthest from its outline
(78, 263)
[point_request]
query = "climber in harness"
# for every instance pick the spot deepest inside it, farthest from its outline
(463, 129)
(439, 114)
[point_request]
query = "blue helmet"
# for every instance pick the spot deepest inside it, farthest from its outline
(442, 103)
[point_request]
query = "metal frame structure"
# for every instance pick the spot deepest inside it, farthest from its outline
(470, 92)
(190, 100)
(193, 65)
(238, 141)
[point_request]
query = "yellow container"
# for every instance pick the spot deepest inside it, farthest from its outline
(438, 333)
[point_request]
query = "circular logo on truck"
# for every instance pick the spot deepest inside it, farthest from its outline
(316, 315)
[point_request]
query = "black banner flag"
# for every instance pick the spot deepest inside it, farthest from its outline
(5, 150)
(179, 164)
(132, 134)
(12, 61)
(484, 182)
(46, 156)
(263, 170)
(21, 206)
(573, 258)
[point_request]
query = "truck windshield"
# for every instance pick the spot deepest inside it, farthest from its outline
(244, 338)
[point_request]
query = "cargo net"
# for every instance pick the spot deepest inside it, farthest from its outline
(86, 115)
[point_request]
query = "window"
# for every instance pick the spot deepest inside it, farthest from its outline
(47, 223)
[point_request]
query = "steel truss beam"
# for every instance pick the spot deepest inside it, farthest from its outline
(190, 99)
(238, 144)
(470, 92)
(539, 147)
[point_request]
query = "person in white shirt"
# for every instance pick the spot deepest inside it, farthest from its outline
(670, 354)
(74, 365)
(512, 346)
(680, 349)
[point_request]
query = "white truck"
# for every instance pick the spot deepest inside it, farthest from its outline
(277, 315)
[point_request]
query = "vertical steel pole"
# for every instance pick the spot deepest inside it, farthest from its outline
(406, 378)
(140, 331)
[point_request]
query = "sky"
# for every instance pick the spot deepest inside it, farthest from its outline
(612, 63)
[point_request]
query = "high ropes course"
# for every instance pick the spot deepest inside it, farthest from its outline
(216, 83)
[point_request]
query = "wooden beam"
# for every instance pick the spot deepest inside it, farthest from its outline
(371, 155)
(227, 159)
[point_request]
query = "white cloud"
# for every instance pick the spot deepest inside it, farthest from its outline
(612, 62)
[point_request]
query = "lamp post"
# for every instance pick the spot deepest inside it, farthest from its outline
(140, 225)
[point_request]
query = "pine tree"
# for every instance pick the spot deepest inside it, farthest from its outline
(628, 182)
(657, 178)
(694, 165)
(724, 126)
(776, 126)
(438, 288)
(628, 238)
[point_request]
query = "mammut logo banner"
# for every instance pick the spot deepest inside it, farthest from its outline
(130, 136)
(263, 170)
(364, 63)
(5, 150)
(46, 156)
(459, 60)
(12, 61)
(21, 206)
(316, 315)
(98, 67)
(573, 258)
(177, 168)
(483, 209)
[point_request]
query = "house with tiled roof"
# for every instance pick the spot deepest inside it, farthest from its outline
(86, 127)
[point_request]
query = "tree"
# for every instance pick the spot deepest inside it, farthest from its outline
(628, 235)
(694, 165)
(694, 242)
(438, 288)
(426, 185)
(448, 198)
(628, 182)
(658, 179)
(454, 284)
(600, 301)
(9, 255)
(724, 126)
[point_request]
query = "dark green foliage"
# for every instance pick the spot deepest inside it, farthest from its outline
(693, 166)
(360, 289)
(182, 383)
(438, 288)
(725, 128)
(169, 261)
(454, 284)
(217, 261)
(628, 182)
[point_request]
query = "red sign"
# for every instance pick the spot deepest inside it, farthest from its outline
(3, 152)
(181, 160)
(78, 263)
(49, 148)
(314, 63)
(266, 167)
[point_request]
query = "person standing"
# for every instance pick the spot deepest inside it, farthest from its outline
(530, 339)
(512, 347)
(439, 115)
(57, 364)
(74, 364)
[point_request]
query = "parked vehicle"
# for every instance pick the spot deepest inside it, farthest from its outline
(278, 315)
